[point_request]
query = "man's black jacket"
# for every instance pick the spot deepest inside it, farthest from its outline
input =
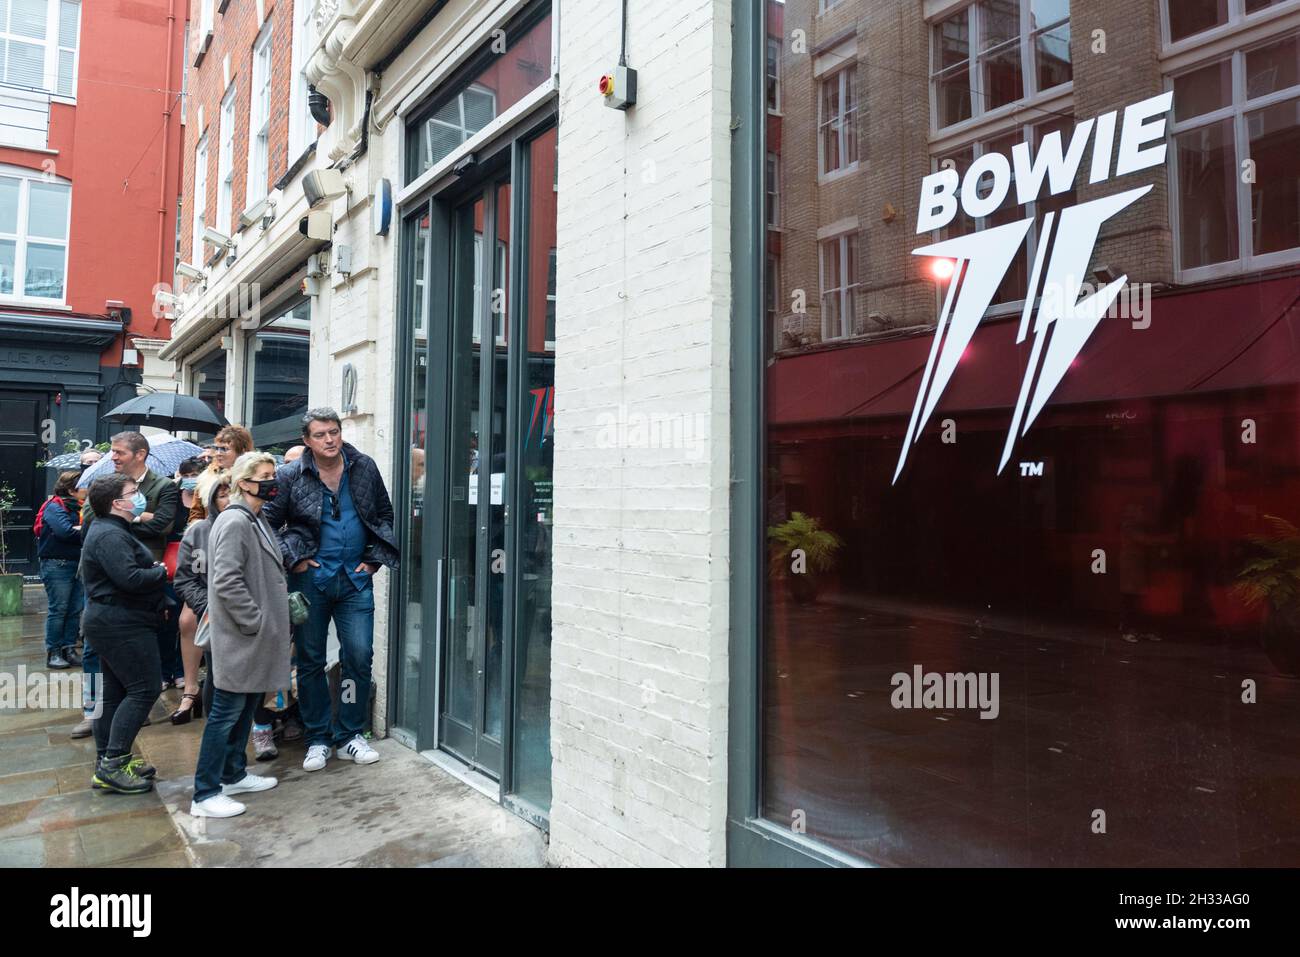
(295, 512)
(161, 497)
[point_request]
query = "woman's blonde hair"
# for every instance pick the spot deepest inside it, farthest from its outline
(244, 468)
(207, 482)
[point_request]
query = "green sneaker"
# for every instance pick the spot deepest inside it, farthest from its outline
(118, 775)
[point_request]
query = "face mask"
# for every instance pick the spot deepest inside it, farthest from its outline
(189, 484)
(137, 501)
(267, 489)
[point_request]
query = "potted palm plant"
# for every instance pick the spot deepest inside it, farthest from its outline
(802, 552)
(1272, 579)
(11, 586)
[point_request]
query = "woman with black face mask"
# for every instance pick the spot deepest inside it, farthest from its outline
(248, 651)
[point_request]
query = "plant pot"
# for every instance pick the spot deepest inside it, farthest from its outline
(803, 588)
(11, 596)
(1280, 635)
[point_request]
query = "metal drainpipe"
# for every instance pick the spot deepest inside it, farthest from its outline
(167, 128)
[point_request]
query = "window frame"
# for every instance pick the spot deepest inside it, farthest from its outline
(226, 161)
(1026, 45)
(257, 184)
(846, 76)
(302, 125)
(51, 50)
(200, 204)
(773, 62)
(1238, 19)
(848, 248)
(1236, 111)
(22, 237)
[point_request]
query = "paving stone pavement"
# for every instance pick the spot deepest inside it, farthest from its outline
(402, 811)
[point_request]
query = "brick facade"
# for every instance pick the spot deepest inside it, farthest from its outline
(231, 49)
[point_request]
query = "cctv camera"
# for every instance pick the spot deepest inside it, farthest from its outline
(167, 299)
(191, 272)
(217, 238)
(323, 185)
(261, 212)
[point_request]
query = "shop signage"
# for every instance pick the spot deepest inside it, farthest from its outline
(1064, 320)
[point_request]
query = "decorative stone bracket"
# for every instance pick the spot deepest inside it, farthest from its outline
(342, 82)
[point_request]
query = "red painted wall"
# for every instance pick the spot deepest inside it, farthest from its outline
(121, 148)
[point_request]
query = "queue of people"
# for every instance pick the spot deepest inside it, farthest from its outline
(205, 565)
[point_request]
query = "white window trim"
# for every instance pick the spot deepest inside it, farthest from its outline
(21, 238)
(1247, 260)
(842, 76)
(1238, 21)
(259, 136)
(226, 162)
(774, 109)
(826, 6)
(302, 126)
(200, 202)
(1028, 67)
(773, 196)
(51, 50)
(845, 292)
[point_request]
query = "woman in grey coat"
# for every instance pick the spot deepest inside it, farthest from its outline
(248, 610)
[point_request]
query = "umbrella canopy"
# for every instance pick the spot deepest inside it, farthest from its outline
(68, 461)
(167, 410)
(166, 453)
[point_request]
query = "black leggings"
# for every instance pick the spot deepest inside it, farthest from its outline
(129, 675)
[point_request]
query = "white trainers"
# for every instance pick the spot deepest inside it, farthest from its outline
(250, 782)
(359, 750)
(317, 755)
(216, 806)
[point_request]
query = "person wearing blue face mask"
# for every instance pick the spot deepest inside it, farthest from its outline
(125, 602)
(153, 526)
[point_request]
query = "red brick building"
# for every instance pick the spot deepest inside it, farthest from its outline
(90, 148)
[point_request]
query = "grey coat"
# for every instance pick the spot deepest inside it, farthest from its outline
(248, 603)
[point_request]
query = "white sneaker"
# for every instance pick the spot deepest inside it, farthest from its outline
(359, 750)
(216, 806)
(317, 755)
(250, 782)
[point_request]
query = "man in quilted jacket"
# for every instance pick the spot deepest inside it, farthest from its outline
(335, 522)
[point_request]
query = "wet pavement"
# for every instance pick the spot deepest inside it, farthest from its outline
(402, 811)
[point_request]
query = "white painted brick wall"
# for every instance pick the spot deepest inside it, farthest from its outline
(639, 652)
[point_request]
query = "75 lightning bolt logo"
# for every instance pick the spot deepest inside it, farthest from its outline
(1064, 322)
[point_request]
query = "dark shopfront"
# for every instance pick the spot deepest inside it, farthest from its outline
(1145, 709)
(471, 623)
(50, 382)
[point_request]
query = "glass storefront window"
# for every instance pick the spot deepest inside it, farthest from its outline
(210, 381)
(1027, 472)
(276, 366)
(494, 80)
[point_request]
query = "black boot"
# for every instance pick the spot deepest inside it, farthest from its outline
(119, 775)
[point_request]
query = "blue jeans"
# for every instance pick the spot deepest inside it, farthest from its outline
(225, 738)
(353, 613)
(63, 591)
(169, 639)
(90, 677)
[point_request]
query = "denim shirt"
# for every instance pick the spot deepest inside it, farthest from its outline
(342, 539)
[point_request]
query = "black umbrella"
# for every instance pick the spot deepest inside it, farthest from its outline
(168, 410)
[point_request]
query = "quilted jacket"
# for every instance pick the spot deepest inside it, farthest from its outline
(295, 512)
